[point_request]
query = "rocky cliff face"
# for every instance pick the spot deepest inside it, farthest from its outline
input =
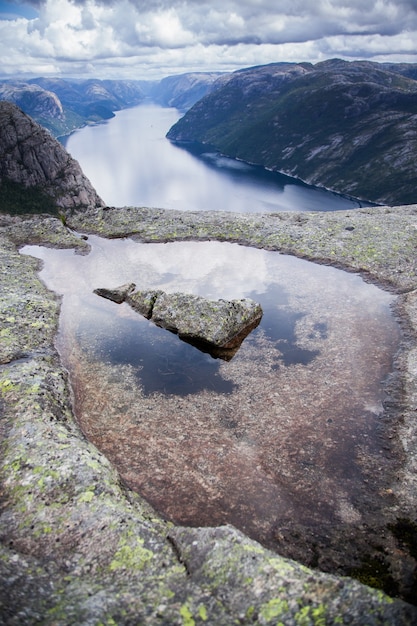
(33, 99)
(350, 127)
(33, 162)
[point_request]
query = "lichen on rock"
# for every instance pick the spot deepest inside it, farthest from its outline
(77, 547)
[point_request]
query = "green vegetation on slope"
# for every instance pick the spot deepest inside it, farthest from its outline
(347, 126)
(16, 199)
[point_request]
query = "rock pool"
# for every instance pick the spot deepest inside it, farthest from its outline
(288, 441)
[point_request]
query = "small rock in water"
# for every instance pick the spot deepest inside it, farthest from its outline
(119, 294)
(218, 322)
(214, 326)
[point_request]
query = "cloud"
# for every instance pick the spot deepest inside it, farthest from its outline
(139, 39)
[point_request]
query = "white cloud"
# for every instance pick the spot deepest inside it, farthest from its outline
(152, 38)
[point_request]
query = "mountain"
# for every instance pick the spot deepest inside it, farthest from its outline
(184, 90)
(94, 99)
(36, 173)
(62, 106)
(41, 104)
(351, 127)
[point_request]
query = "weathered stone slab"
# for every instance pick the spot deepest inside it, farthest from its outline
(214, 326)
(76, 547)
(143, 301)
(218, 322)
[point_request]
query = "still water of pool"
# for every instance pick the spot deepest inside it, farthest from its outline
(282, 440)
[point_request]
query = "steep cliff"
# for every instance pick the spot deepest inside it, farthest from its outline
(347, 126)
(36, 173)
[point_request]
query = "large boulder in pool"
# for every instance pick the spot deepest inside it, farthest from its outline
(214, 326)
(216, 322)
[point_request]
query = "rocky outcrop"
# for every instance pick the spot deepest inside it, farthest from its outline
(76, 546)
(214, 326)
(32, 159)
(350, 127)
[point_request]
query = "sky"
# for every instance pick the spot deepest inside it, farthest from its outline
(150, 39)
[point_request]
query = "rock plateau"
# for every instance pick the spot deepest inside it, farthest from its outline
(78, 547)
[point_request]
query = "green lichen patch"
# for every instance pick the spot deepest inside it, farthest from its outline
(266, 589)
(131, 555)
(275, 609)
(187, 616)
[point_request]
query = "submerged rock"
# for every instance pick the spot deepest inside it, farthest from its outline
(214, 326)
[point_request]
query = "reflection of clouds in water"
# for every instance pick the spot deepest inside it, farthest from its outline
(226, 162)
(212, 269)
(294, 413)
(130, 162)
(303, 303)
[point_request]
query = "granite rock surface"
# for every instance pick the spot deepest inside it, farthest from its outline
(209, 323)
(77, 546)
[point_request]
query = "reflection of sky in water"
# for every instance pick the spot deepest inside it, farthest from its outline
(288, 289)
(130, 162)
(282, 440)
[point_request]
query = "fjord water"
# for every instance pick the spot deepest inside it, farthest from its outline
(285, 440)
(131, 163)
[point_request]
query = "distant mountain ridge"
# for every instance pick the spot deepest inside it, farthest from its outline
(348, 126)
(184, 90)
(63, 105)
